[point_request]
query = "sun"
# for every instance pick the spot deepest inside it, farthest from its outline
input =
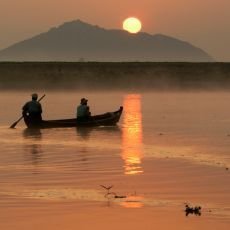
(132, 25)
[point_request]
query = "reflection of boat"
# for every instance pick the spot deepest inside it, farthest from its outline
(33, 145)
(32, 133)
(106, 119)
(85, 132)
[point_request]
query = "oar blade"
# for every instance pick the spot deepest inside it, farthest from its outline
(13, 125)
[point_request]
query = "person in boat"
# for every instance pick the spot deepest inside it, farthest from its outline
(32, 110)
(83, 111)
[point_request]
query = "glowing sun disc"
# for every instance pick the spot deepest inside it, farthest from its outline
(132, 25)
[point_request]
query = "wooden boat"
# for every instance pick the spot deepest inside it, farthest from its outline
(106, 119)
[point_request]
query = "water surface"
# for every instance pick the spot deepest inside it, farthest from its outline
(168, 149)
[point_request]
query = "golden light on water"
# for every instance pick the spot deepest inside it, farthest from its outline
(132, 147)
(133, 202)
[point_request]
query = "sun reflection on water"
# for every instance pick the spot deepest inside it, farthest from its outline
(132, 147)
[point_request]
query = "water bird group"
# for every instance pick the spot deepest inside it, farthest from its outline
(192, 210)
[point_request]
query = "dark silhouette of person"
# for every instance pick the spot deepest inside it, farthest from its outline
(32, 110)
(83, 111)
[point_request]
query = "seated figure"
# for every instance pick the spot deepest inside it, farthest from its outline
(83, 111)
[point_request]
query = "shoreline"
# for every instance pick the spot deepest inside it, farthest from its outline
(115, 75)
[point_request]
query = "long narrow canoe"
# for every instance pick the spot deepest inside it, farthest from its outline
(106, 119)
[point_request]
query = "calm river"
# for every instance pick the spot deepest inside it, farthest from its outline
(168, 149)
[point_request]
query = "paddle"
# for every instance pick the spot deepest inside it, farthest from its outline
(16, 122)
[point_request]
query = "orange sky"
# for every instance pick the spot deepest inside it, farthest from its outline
(203, 23)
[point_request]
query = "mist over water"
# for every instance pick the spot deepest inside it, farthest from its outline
(131, 76)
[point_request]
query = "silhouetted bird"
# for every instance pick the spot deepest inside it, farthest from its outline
(192, 210)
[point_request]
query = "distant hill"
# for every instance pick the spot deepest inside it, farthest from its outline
(79, 41)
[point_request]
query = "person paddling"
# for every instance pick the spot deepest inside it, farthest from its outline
(32, 110)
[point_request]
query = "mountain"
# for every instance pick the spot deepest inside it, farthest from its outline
(80, 41)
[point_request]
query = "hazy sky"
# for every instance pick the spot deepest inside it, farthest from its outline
(203, 23)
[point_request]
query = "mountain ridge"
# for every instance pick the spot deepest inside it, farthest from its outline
(77, 40)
